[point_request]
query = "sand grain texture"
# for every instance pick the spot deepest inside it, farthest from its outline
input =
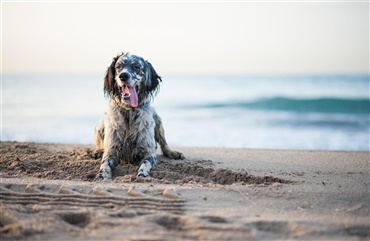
(47, 192)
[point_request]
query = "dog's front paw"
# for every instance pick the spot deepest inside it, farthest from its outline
(144, 170)
(173, 154)
(105, 174)
(143, 173)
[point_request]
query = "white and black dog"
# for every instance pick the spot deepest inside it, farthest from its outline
(131, 128)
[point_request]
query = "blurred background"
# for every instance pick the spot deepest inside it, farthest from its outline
(276, 75)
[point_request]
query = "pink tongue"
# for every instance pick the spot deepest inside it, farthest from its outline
(134, 101)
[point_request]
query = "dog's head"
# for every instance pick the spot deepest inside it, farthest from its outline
(130, 80)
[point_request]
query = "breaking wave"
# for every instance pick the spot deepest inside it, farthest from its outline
(319, 105)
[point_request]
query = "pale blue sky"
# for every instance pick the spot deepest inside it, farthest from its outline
(187, 38)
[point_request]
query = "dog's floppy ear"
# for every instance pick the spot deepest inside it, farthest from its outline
(110, 88)
(153, 79)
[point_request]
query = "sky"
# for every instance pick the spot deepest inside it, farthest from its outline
(187, 38)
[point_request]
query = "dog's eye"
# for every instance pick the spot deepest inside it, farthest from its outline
(119, 66)
(136, 67)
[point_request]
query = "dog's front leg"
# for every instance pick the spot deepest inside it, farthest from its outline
(146, 165)
(106, 168)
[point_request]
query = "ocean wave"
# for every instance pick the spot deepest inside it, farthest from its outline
(318, 105)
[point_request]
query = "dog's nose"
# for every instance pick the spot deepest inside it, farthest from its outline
(124, 76)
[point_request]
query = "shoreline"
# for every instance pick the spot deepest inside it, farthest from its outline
(216, 193)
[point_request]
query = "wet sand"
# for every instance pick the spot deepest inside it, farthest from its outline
(48, 192)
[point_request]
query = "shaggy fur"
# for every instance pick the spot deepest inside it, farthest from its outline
(131, 128)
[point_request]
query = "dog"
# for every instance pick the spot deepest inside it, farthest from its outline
(130, 130)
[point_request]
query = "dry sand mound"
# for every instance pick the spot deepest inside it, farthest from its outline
(44, 161)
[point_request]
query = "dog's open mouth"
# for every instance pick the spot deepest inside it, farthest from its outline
(129, 94)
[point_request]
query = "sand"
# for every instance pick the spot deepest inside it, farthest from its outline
(48, 192)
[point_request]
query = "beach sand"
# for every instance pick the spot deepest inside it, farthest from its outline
(48, 192)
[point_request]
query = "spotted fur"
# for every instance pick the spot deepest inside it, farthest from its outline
(126, 133)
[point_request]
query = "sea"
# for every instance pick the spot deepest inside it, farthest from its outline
(324, 112)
